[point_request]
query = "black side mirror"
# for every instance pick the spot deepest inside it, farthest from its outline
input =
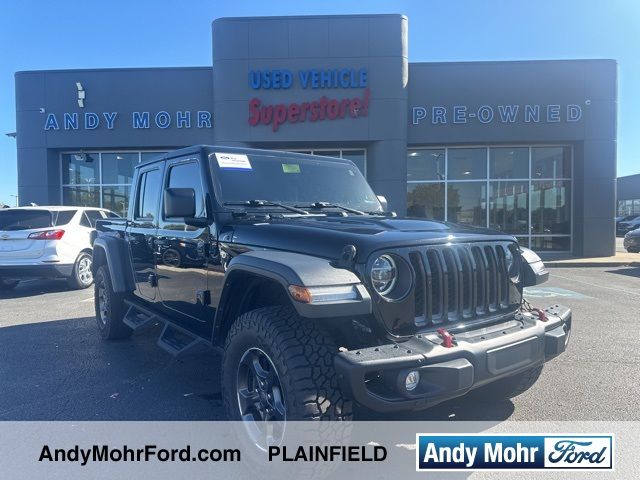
(179, 203)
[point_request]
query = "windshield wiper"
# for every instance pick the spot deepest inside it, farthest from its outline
(266, 203)
(321, 205)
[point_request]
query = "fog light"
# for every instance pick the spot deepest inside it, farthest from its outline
(412, 380)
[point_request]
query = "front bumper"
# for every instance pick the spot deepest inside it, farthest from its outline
(23, 272)
(374, 377)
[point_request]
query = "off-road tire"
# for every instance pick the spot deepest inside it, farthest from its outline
(303, 356)
(508, 387)
(6, 285)
(110, 324)
(76, 281)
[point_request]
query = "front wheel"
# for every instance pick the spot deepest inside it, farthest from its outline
(508, 387)
(278, 366)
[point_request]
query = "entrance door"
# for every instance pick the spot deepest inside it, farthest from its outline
(143, 228)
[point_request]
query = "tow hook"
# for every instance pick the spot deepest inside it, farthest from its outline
(541, 315)
(448, 340)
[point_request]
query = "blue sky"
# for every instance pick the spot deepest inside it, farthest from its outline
(41, 34)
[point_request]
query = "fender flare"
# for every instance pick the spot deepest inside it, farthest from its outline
(116, 257)
(303, 270)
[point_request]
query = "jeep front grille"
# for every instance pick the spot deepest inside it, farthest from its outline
(457, 282)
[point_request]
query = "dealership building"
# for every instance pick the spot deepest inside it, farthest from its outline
(527, 147)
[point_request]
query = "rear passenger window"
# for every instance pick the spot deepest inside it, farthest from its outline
(148, 195)
(63, 217)
(187, 175)
(89, 218)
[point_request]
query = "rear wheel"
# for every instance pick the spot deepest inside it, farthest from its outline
(81, 276)
(508, 387)
(633, 250)
(110, 308)
(8, 284)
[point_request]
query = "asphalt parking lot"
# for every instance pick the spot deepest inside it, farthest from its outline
(53, 365)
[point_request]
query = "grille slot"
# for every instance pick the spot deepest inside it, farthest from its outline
(456, 282)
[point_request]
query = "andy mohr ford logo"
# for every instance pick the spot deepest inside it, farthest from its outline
(453, 452)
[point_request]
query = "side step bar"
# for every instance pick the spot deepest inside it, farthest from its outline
(138, 320)
(174, 339)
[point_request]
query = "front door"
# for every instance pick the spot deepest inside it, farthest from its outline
(183, 250)
(142, 230)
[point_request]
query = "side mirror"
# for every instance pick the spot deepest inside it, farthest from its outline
(533, 270)
(179, 203)
(383, 200)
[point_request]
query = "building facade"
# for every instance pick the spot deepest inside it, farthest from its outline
(527, 147)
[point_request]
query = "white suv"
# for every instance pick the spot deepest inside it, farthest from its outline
(48, 242)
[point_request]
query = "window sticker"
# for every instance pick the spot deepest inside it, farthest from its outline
(235, 161)
(290, 168)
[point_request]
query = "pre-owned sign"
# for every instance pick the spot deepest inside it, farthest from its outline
(508, 113)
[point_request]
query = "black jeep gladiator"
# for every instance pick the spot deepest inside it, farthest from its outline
(319, 298)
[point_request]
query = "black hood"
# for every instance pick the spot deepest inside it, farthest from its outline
(326, 236)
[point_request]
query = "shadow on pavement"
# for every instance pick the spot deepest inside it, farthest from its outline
(627, 271)
(62, 370)
(31, 288)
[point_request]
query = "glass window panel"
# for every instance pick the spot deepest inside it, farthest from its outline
(467, 203)
(357, 157)
(116, 199)
(146, 156)
(550, 162)
(426, 200)
(550, 243)
(426, 164)
(118, 167)
(81, 196)
(550, 207)
(148, 194)
(80, 169)
(63, 217)
(84, 220)
(509, 162)
(508, 209)
(467, 163)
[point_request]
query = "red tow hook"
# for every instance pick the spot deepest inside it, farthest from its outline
(541, 315)
(447, 338)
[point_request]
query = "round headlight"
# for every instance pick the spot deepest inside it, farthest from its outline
(383, 274)
(508, 256)
(512, 263)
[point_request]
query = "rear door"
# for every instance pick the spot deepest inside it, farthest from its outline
(182, 250)
(15, 227)
(141, 233)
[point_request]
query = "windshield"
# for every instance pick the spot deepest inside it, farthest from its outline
(24, 219)
(292, 181)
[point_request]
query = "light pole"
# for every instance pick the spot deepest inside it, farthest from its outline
(16, 197)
